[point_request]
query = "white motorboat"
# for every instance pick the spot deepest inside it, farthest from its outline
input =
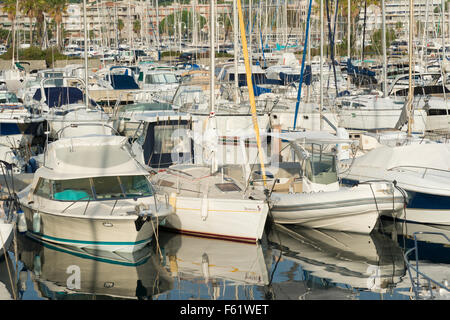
(92, 193)
(307, 190)
(211, 204)
(63, 106)
(421, 170)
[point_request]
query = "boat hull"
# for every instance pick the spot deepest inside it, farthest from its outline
(351, 210)
(117, 234)
(6, 236)
(421, 207)
(230, 219)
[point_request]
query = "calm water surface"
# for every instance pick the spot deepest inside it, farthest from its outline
(289, 264)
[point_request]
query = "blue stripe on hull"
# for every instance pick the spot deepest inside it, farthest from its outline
(97, 243)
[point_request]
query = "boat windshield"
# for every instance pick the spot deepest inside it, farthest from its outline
(160, 78)
(99, 188)
(321, 168)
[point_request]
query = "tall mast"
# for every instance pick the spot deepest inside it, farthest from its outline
(383, 42)
(321, 63)
(212, 56)
(236, 51)
(348, 39)
(411, 66)
(86, 73)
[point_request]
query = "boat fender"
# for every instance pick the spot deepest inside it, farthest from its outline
(36, 222)
(23, 277)
(22, 223)
(37, 265)
(173, 201)
(205, 266)
(204, 211)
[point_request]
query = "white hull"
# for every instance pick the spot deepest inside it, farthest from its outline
(6, 236)
(379, 119)
(108, 233)
(351, 210)
(428, 216)
(232, 219)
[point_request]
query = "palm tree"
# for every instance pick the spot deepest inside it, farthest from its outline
(28, 7)
(9, 7)
(56, 9)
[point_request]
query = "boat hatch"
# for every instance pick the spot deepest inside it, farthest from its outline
(227, 187)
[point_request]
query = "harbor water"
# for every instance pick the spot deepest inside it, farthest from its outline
(289, 263)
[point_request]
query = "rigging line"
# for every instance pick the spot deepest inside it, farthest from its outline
(299, 94)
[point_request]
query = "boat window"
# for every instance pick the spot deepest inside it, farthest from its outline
(72, 190)
(170, 78)
(135, 186)
(321, 168)
(171, 138)
(43, 188)
(107, 188)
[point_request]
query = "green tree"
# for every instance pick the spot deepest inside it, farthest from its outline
(186, 18)
(56, 9)
(120, 26)
(137, 26)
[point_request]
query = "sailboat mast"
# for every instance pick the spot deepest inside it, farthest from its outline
(251, 93)
(212, 56)
(321, 64)
(411, 66)
(86, 73)
(383, 42)
(236, 51)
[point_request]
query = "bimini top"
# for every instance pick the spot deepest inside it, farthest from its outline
(89, 156)
(59, 96)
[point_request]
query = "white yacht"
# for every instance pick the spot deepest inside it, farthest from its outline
(92, 193)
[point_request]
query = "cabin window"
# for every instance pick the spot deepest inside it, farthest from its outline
(107, 188)
(134, 186)
(99, 188)
(171, 138)
(43, 188)
(72, 190)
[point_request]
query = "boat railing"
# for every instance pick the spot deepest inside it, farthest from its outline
(76, 125)
(414, 267)
(426, 170)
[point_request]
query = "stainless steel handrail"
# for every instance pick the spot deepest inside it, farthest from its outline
(415, 281)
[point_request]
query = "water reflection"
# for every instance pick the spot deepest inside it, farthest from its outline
(330, 264)
(213, 269)
(433, 256)
(7, 276)
(289, 263)
(59, 272)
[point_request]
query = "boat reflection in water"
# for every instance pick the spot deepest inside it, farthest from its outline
(66, 273)
(433, 257)
(332, 264)
(212, 268)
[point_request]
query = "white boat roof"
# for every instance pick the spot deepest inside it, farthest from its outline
(318, 137)
(89, 156)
